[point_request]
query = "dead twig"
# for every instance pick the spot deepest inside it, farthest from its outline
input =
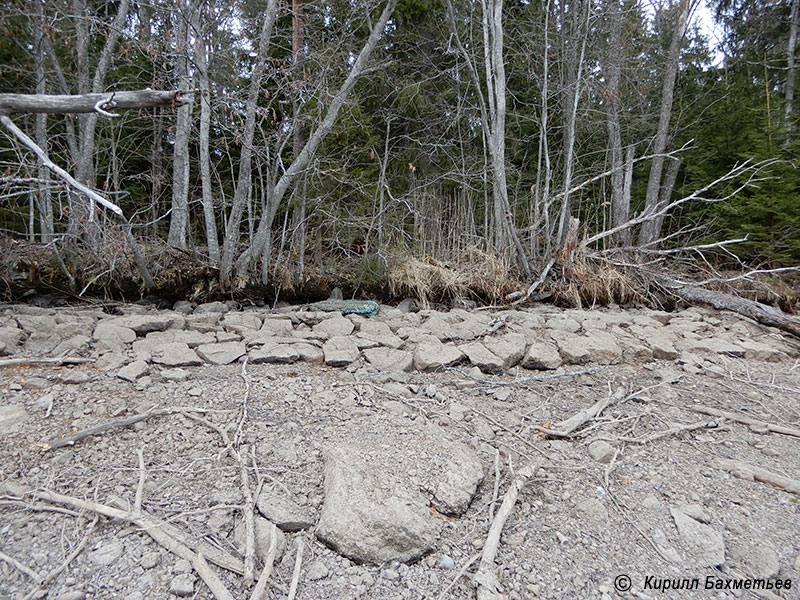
(13, 362)
(20, 566)
(115, 424)
(210, 578)
(567, 427)
(748, 472)
(296, 573)
(249, 524)
(258, 591)
(746, 420)
(486, 578)
(138, 497)
(459, 575)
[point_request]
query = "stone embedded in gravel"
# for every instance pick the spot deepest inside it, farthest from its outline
(332, 327)
(697, 512)
(389, 360)
(664, 547)
(309, 352)
(284, 512)
(661, 342)
(601, 451)
(702, 544)
(211, 307)
(316, 571)
(74, 377)
(188, 337)
(72, 346)
(483, 358)
(274, 326)
(113, 335)
(764, 562)
(184, 307)
(150, 560)
(242, 322)
(134, 370)
(71, 595)
(432, 354)
(713, 345)
(182, 585)
(542, 356)
(107, 552)
(274, 353)
(222, 353)
(390, 519)
(176, 374)
(755, 350)
(340, 351)
(592, 510)
(11, 417)
(571, 347)
(11, 336)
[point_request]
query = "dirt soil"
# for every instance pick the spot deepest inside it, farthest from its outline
(576, 529)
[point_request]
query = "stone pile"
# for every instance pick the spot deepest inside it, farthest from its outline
(139, 339)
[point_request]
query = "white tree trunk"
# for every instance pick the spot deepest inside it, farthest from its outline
(651, 229)
(790, 66)
(179, 216)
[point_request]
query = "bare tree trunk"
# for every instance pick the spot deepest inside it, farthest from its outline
(650, 230)
(179, 216)
(243, 182)
(43, 192)
(620, 206)
(258, 247)
(665, 194)
(790, 60)
(298, 139)
(574, 67)
(201, 65)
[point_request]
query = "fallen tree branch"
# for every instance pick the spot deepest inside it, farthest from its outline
(746, 420)
(269, 560)
(13, 362)
(748, 472)
(298, 560)
(20, 566)
(115, 424)
(761, 313)
(567, 427)
(89, 103)
(486, 578)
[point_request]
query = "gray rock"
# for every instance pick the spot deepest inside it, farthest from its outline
(76, 344)
(144, 324)
(316, 570)
(702, 544)
(572, 347)
(176, 374)
(193, 339)
(697, 512)
(242, 322)
(389, 360)
(660, 341)
(333, 326)
(509, 348)
(211, 307)
(107, 553)
(483, 358)
(274, 327)
(666, 549)
(340, 351)
(12, 416)
(764, 562)
(175, 354)
(150, 560)
(309, 352)
(755, 350)
(221, 353)
(182, 585)
(601, 451)
(184, 307)
(390, 521)
(74, 377)
(284, 512)
(432, 354)
(378, 332)
(445, 562)
(274, 353)
(114, 336)
(71, 595)
(542, 356)
(134, 370)
(592, 511)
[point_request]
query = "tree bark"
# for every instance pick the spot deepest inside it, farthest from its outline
(620, 205)
(43, 192)
(790, 66)
(244, 180)
(766, 315)
(651, 230)
(88, 103)
(258, 248)
(201, 60)
(179, 215)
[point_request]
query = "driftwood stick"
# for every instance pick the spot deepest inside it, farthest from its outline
(748, 472)
(249, 525)
(746, 420)
(298, 560)
(117, 423)
(269, 560)
(13, 362)
(20, 566)
(567, 427)
(137, 500)
(486, 578)
(496, 487)
(210, 578)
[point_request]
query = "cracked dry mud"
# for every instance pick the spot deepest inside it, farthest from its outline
(612, 499)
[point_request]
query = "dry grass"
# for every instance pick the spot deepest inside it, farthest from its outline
(476, 274)
(586, 281)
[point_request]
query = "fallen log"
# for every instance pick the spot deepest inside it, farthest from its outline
(761, 313)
